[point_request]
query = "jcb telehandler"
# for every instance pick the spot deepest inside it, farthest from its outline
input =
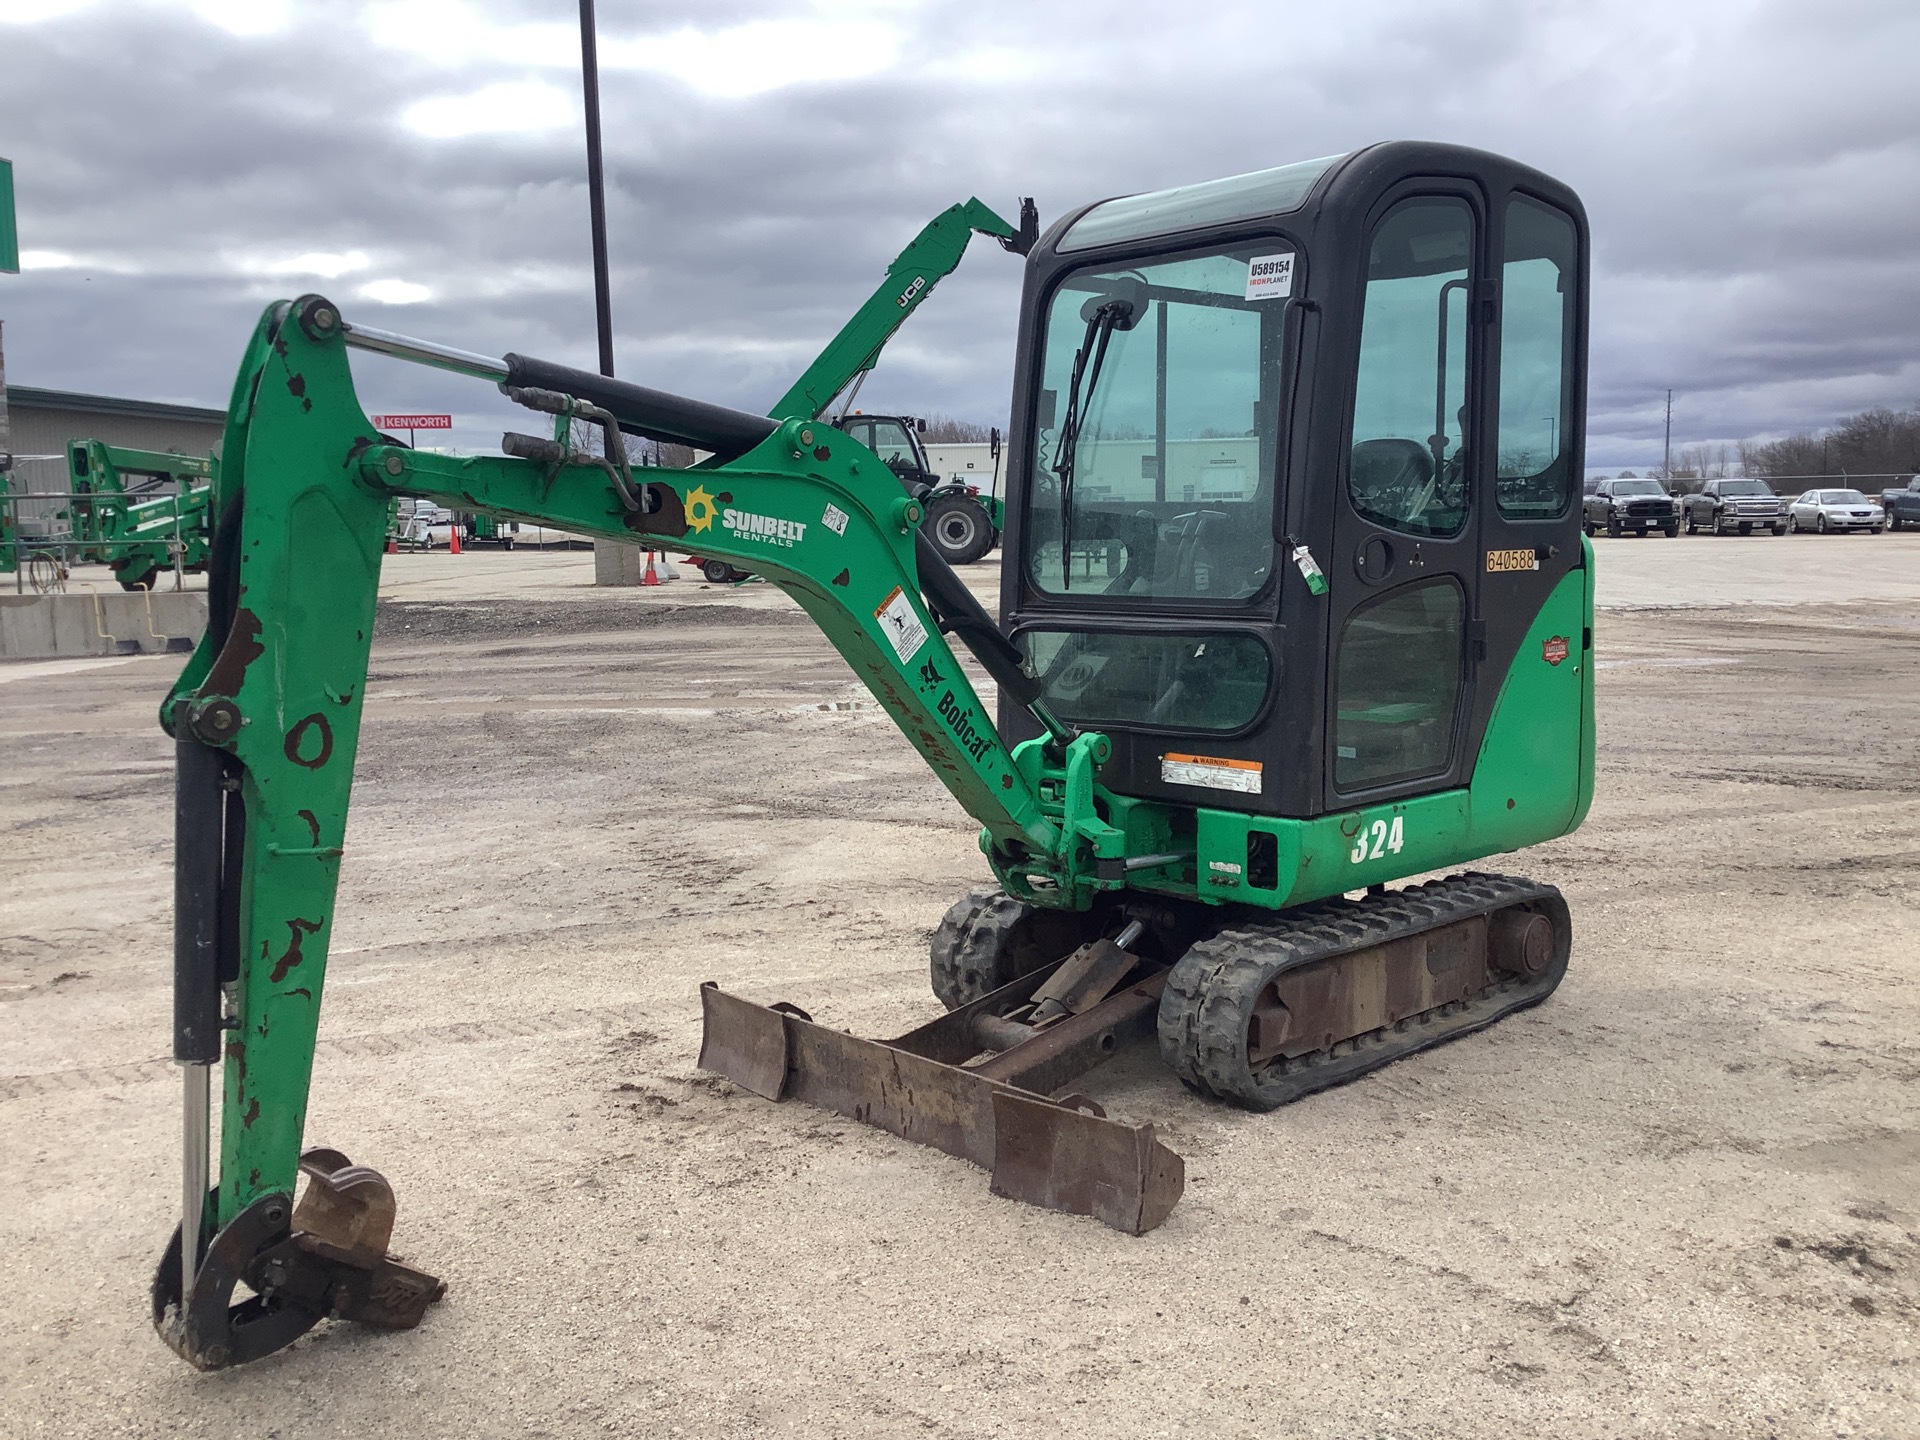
(1296, 606)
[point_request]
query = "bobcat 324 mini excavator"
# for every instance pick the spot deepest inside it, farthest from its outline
(1296, 605)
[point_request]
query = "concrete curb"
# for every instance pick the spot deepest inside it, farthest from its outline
(38, 627)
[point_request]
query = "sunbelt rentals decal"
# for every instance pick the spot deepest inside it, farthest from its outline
(703, 509)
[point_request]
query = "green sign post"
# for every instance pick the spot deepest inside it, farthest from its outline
(9, 231)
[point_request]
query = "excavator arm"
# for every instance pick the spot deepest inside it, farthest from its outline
(266, 721)
(932, 256)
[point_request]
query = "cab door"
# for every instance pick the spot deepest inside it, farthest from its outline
(1404, 573)
(1532, 640)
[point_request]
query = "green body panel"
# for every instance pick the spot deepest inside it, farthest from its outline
(932, 256)
(1587, 735)
(1522, 792)
(9, 226)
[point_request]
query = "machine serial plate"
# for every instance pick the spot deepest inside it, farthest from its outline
(1498, 560)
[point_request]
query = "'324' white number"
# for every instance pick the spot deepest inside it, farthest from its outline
(1378, 839)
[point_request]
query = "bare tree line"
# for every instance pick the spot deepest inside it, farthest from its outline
(1875, 443)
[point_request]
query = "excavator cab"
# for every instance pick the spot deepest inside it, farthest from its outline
(1295, 474)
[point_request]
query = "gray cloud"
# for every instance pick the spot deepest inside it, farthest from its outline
(1752, 171)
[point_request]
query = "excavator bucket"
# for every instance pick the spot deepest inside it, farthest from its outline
(931, 1086)
(326, 1257)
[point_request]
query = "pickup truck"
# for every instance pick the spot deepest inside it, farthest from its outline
(1637, 505)
(1736, 504)
(1902, 505)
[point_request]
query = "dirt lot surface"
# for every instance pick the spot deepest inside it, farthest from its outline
(1682, 1198)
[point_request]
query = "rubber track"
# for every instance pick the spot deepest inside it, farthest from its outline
(967, 944)
(1210, 993)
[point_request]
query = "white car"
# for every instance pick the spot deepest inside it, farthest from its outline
(1826, 510)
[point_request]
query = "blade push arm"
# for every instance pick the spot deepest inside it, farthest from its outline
(932, 256)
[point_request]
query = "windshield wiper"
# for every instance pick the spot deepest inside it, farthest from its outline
(1103, 317)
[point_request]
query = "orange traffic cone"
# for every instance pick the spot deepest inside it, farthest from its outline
(652, 577)
(392, 549)
(453, 539)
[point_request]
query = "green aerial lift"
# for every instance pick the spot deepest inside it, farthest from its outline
(139, 511)
(1294, 609)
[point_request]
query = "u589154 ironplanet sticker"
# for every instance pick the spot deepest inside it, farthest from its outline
(901, 625)
(1270, 277)
(835, 519)
(1211, 771)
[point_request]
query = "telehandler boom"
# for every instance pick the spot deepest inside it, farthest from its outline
(1295, 606)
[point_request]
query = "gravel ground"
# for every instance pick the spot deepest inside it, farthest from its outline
(1678, 1199)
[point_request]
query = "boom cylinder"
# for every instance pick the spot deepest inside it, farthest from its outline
(655, 414)
(198, 806)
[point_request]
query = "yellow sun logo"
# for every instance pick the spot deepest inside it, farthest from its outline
(700, 509)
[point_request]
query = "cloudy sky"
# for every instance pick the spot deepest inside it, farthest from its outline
(1752, 171)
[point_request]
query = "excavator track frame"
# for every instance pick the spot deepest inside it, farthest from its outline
(1340, 988)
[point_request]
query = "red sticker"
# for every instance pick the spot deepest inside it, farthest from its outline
(1554, 649)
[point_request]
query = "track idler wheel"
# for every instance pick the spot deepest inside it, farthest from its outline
(324, 1259)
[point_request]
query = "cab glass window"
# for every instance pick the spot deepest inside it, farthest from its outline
(1398, 685)
(1537, 282)
(892, 444)
(1154, 455)
(1211, 682)
(1407, 468)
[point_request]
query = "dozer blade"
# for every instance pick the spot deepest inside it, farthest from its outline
(1064, 1155)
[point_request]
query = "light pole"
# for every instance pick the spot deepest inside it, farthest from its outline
(613, 563)
(596, 186)
(1666, 460)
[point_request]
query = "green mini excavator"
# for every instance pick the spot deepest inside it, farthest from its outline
(1295, 608)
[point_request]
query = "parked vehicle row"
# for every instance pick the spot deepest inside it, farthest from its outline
(1739, 506)
(1631, 507)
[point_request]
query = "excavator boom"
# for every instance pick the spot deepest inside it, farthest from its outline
(266, 721)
